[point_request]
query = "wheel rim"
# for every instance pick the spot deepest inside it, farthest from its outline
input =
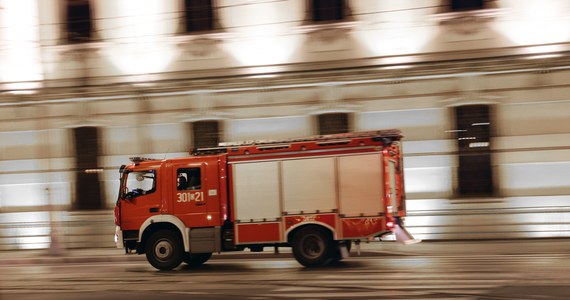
(313, 246)
(163, 250)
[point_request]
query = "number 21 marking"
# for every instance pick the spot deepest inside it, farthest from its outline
(187, 197)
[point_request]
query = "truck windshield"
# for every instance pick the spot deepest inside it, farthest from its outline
(139, 183)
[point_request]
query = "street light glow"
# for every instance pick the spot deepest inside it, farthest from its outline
(19, 22)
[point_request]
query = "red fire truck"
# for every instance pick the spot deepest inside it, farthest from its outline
(316, 195)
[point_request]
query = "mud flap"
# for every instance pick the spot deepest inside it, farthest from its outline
(119, 237)
(343, 251)
(403, 236)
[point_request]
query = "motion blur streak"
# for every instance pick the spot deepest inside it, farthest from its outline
(480, 93)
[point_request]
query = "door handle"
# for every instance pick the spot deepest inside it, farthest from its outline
(153, 209)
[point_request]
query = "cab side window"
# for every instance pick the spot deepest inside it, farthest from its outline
(189, 179)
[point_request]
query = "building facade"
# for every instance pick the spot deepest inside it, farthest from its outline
(479, 88)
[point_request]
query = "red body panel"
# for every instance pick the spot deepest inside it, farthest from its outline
(362, 227)
(258, 233)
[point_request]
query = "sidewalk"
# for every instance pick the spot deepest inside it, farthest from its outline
(426, 248)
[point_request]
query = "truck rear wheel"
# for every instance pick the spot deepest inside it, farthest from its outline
(313, 247)
(196, 259)
(164, 250)
(338, 251)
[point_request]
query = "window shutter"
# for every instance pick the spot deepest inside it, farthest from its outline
(206, 134)
(199, 15)
(331, 123)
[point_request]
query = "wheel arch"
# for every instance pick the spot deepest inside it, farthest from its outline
(293, 230)
(154, 223)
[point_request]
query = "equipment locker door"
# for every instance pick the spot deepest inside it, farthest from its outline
(195, 192)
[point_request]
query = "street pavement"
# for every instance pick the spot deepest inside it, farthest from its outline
(374, 248)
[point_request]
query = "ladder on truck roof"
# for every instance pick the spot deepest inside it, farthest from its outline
(257, 146)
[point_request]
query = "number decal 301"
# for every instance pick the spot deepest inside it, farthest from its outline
(190, 196)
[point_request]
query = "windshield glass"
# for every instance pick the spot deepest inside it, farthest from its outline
(140, 183)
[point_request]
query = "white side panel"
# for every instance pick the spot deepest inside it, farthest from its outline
(309, 185)
(361, 185)
(256, 190)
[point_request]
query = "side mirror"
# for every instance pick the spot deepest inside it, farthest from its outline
(125, 194)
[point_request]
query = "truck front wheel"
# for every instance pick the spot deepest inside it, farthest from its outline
(164, 250)
(196, 259)
(313, 247)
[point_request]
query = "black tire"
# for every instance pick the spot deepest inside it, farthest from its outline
(313, 246)
(196, 259)
(164, 250)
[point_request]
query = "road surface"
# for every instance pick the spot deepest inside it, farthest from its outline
(529, 276)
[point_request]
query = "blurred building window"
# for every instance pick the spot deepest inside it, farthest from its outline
(473, 128)
(79, 21)
(462, 5)
(206, 134)
(331, 123)
(199, 15)
(327, 10)
(87, 182)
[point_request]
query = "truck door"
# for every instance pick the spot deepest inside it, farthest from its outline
(195, 191)
(141, 197)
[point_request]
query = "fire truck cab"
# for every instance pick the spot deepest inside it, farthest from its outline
(316, 195)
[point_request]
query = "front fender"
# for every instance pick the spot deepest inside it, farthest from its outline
(167, 219)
